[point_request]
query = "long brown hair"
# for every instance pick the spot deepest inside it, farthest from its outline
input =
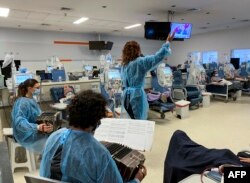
(23, 87)
(130, 52)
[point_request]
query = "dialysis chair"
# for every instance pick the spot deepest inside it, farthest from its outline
(110, 102)
(160, 99)
(221, 89)
(56, 94)
(190, 93)
(244, 73)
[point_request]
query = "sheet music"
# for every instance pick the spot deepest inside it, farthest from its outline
(136, 134)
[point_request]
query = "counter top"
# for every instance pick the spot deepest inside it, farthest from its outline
(69, 82)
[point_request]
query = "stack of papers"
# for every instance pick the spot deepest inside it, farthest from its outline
(136, 134)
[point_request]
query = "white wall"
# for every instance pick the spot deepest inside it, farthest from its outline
(222, 41)
(33, 47)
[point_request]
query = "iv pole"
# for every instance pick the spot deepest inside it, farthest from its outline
(9, 59)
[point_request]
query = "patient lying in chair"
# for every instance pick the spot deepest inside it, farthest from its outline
(68, 94)
(215, 78)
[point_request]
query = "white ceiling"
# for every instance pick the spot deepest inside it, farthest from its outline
(210, 15)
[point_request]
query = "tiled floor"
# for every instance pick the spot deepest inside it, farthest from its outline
(222, 125)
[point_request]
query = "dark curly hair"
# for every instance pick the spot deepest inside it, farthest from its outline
(87, 109)
(130, 52)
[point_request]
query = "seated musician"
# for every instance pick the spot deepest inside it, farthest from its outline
(74, 155)
(185, 157)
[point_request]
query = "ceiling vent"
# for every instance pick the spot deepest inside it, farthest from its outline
(44, 24)
(193, 10)
(245, 20)
(65, 9)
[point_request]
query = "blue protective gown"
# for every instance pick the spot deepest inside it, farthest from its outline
(24, 114)
(83, 158)
(133, 78)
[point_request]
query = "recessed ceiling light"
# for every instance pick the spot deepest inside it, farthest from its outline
(149, 14)
(173, 6)
(208, 23)
(4, 12)
(203, 27)
(104, 6)
(233, 18)
(208, 13)
(132, 26)
(83, 19)
(19, 26)
(182, 19)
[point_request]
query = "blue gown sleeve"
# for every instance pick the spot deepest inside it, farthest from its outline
(20, 119)
(151, 61)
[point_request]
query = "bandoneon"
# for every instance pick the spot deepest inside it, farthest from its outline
(51, 117)
(127, 160)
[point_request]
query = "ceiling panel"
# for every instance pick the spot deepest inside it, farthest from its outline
(37, 16)
(212, 14)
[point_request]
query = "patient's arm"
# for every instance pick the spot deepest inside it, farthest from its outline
(245, 160)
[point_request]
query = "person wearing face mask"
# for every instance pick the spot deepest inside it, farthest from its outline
(74, 155)
(24, 114)
(133, 72)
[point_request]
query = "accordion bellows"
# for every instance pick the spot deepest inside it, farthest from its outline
(127, 160)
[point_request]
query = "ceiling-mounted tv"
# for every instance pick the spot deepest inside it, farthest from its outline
(182, 30)
(156, 30)
(109, 45)
(160, 30)
(96, 45)
(100, 45)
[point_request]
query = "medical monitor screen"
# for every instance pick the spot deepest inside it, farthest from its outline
(167, 71)
(88, 68)
(50, 68)
(182, 30)
(114, 74)
(19, 78)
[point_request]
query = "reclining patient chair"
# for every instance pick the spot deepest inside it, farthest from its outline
(226, 90)
(190, 93)
(110, 102)
(160, 98)
(155, 97)
(56, 94)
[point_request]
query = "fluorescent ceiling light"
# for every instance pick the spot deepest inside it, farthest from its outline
(132, 26)
(83, 19)
(4, 12)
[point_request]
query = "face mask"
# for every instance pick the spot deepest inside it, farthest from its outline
(216, 75)
(36, 92)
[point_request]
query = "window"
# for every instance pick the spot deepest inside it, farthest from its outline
(209, 57)
(195, 56)
(243, 54)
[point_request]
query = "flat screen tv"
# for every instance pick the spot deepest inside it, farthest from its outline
(182, 30)
(160, 30)
(156, 30)
(235, 62)
(109, 45)
(96, 45)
